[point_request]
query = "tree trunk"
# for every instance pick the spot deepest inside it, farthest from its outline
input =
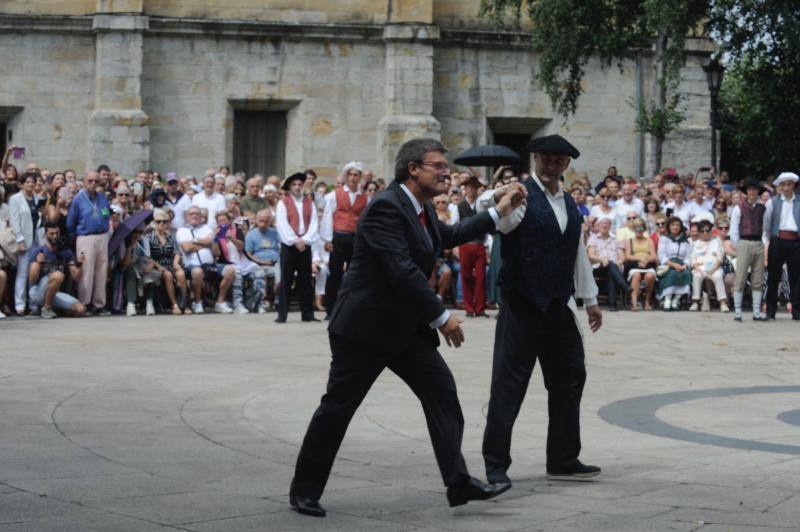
(660, 98)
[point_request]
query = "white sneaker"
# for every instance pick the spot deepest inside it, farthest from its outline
(676, 302)
(723, 307)
(2, 316)
(130, 310)
(48, 313)
(705, 306)
(695, 306)
(223, 308)
(262, 309)
(149, 310)
(241, 309)
(197, 308)
(667, 303)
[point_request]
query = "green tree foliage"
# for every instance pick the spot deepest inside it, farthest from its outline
(761, 90)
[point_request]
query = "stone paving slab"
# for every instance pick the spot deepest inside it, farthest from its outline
(194, 423)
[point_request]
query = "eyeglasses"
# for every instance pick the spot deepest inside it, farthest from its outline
(159, 222)
(441, 167)
(705, 230)
(660, 224)
(723, 227)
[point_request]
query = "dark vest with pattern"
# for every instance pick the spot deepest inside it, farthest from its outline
(538, 260)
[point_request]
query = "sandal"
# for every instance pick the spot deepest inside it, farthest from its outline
(176, 310)
(187, 311)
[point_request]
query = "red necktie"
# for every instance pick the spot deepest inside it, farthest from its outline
(422, 219)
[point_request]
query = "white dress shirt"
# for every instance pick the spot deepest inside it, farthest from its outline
(585, 286)
(622, 208)
(787, 222)
(213, 203)
(326, 227)
(286, 234)
(441, 320)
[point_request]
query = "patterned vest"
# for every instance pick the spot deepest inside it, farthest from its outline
(752, 220)
(538, 260)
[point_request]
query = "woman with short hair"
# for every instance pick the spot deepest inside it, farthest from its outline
(167, 257)
(674, 251)
(640, 257)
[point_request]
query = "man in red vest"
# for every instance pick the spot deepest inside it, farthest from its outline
(296, 222)
(343, 206)
(472, 255)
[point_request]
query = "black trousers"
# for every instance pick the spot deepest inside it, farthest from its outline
(525, 334)
(614, 280)
(294, 261)
(342, 254)
(783, 251)
(354, 367)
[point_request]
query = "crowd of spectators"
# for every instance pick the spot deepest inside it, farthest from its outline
(103, 243)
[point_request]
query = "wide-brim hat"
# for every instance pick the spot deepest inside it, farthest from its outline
(752, 182)
(553, 144)
(786, 176)
(287, 183)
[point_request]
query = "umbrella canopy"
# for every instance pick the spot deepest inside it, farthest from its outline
(488, 155)
(125, 228)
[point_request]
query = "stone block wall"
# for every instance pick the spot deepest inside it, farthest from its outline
(51, 78)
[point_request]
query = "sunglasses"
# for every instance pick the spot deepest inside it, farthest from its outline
(159, 222)
(705, 230)
(660, 224)
(723, 227)
(633, 218)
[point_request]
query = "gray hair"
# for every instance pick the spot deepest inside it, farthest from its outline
(412, 152)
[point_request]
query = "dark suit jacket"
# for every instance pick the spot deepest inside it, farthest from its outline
(385, 300)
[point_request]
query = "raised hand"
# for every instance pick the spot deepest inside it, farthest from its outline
(510, 197)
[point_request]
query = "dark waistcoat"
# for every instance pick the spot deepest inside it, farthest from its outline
(538, 260)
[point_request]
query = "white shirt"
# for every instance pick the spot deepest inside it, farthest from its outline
(326, 227)
(787, 222)
(621, 210)
(179, 210)
(585, 286)
(698, 211)
(213, 203)
(454, 216)
(684, 212)
(441, 320)
(286, 234)
(597, 213)
(194, 258)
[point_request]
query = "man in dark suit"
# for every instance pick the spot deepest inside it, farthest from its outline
(386, 315)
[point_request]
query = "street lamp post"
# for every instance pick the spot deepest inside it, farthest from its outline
(714, 72)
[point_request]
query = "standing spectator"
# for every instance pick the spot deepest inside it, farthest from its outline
(781, 234)
(679, 207)
(343, 206)
(627, 203)
(640, 256)
(746, 229)
(210, 200)
(88, 220)
(472, 255)
(320, 259)
(652, 211)
(602, 209)
(122, 199)
(167, 259)
(196, 241)
(263, 247)
(252, 202)
(272, 197)
(370, 189)
(607, 258)
(24, 217)
(707, 255)
(104, 177)
(297, 229)
(48, 267)
(580, 200)
(674, 252)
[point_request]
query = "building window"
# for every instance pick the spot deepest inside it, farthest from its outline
(259, 142)
(3, 138)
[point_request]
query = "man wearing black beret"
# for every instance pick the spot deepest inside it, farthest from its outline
(545, 264)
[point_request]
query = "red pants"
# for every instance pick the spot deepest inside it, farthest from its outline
(473, 277)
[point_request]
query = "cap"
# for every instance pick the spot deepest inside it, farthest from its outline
(553, 144)
(172, 177)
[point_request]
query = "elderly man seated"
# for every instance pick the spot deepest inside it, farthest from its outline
(262, 246)
(605, 254)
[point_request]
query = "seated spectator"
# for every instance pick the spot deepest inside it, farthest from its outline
(625, 231)
(607, 258)
(48, 265)
(602, 209)
(674, 254)
(252, 202)
(139, 270)
(167, 258)
(640, 259)
(661, 229)
(230, 239)
(652, 208)
(196, 241)
(707, 256)
(264, 248)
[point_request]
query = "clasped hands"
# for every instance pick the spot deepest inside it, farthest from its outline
(509, 197)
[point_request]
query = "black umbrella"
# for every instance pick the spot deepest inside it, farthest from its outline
(125, 228)
(489, 155)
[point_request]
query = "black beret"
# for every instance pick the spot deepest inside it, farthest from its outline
(553, 144)
(291, 179)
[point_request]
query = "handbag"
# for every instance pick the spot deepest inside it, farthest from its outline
(662, 270)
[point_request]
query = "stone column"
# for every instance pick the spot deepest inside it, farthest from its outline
(409, 38)
(118, 127)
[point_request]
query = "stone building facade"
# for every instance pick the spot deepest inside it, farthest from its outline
(278, 85)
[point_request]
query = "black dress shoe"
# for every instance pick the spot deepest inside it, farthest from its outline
(310, 319)
(577, 470)
(769, 317)
(738, 318)
(474, 490)
(481, 315)
(306, 506)
(759, 318)
(498, 477)
(280, 320)
(613, 308)
(796, 316)
(470, 315)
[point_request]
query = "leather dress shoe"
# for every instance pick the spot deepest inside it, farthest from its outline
(306, 506)
(280, 320)
(498, 477)
(470, 315)
(310, 319)
(577, 470)
(481, 315)
(474, 490)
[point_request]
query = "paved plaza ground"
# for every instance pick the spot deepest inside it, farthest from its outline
(193, 423)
